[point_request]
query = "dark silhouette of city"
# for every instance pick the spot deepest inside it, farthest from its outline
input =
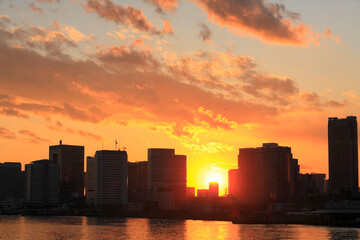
(266, 187)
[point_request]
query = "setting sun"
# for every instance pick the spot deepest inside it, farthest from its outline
(214, 178)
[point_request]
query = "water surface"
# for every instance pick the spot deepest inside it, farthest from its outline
(18, 227)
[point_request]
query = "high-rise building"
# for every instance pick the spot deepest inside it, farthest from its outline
(233, 182)
(167, 177)
(42, 183)
(112, 180)
(91, 181)
(138, 181)
(11, 181)
(213, 189)
(343, 154)
(264, 174)
(71, 161)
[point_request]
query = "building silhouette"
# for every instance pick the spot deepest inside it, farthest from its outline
(11, 181)
(202, 193)
(213, 189)
(313, 183)
(91, 181)
(138, 182)
(71, 161)
(42, 179)
(212, 192)
(167, 178)
(263, 175)
(111, 177)
(233, 182)
(343, 154)
(190, 192)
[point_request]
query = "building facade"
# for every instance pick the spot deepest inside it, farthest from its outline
(91, 181)
(167, 177)
(111, 180)
(71, 161)
(42, 179)
(138, 182)
(263, 174)
(11, 181)
(343, 154)
(213, 189)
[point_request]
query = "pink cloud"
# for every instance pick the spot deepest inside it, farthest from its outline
(167, 5)
(128, 16)
(270, 22)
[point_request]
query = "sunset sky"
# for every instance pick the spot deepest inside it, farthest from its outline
(205, 77)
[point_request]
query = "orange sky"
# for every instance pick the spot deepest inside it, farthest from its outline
(203, 77)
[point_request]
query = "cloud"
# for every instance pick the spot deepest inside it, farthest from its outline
(210, 147)
(13, 112)
(76, 35)
(85, 134)
(56, 41)
(34, 8)
(6, 133)
(164, 5)
(167, 29)
(47, 1)
(224, 166)
(128, 16)
(260, 19)
(138, 43)
(205, 33)
(32, 137)
(120, 83)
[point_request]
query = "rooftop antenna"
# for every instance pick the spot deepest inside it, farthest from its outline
(60, 142)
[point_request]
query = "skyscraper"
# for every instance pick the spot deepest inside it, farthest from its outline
(343, 154)
(112, 180)
(264, 174)
(167, 177)
(71, 161)
(42, 183)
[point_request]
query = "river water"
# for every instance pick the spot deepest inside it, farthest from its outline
(18, 227)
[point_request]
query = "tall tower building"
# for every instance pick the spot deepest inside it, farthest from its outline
(42, 183)
(167, 177)
(343, 154)
(111, 180)
(71, 161)
(264, 174)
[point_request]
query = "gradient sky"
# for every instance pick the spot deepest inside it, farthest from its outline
(202, 76)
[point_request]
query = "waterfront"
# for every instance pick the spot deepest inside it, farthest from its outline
(19, 227)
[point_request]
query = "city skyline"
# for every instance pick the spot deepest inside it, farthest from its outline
(166, 169)
(183, 74)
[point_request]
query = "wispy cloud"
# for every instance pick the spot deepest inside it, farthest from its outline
(33, 137)
(6, 133)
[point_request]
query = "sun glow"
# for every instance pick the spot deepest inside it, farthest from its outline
(213, 177)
